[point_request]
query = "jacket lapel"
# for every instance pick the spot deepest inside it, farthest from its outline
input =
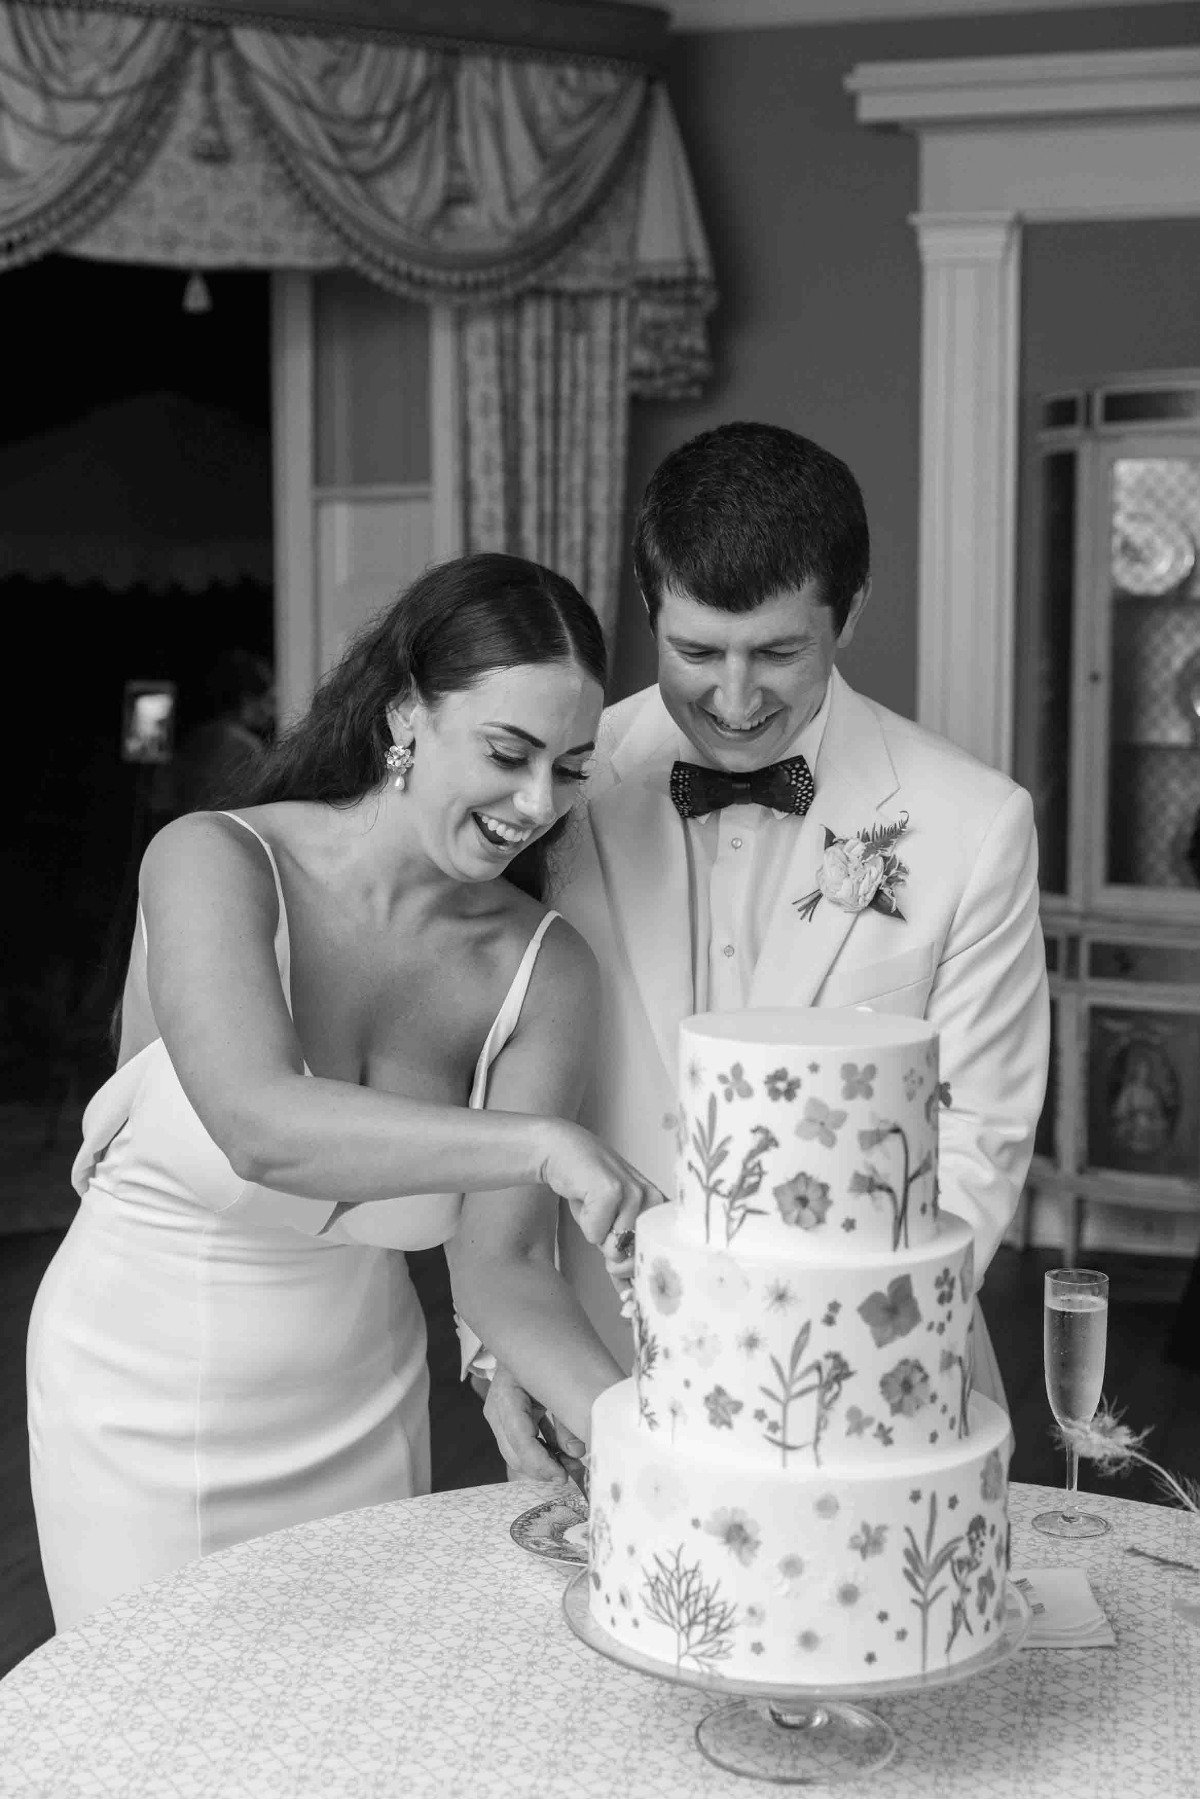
(641, 846)
(854, 776)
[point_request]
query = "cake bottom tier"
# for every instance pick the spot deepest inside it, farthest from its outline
(797, 1574)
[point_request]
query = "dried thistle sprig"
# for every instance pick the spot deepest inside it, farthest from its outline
(1114, 1447)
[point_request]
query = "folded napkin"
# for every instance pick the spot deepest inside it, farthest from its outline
(1066, 1613)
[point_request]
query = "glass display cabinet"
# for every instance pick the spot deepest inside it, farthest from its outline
(1108, 742)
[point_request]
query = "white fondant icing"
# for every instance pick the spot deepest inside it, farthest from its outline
(797, 1574)
(798, 1486)
(800, 1128)
(843, 1360)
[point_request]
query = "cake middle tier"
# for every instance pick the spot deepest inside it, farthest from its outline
(848, 1360)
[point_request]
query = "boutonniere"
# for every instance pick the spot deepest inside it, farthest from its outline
(861, 871)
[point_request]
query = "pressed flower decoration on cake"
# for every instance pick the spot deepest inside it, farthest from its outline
(859, 872)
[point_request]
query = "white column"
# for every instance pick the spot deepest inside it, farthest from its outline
(969, 380)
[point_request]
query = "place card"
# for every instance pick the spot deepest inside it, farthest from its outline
(1066, 1612)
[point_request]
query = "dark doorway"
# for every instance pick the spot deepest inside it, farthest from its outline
(131, 428)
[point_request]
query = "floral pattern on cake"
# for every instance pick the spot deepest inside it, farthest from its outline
(702, 1347)
(724, 1282)
(722, 1408)
(858, 1083)
(823, 1377)
(992, 1478)
(893, 1313)
(950, 1570)
(737, 1531)
(738, 1112)
(803, 1201)
(906, 1386)
(734, 1084)
(898, 1192)
(963, 1568)
(712, 1152)
(869, 1539)
(961, 1365)
(789, 1574)
(821, 1123)
(645, 1355)
(844, 1382)
(675, 1594)
(782, 1085)
(666, 1288)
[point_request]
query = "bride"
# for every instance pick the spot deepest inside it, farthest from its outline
(350, 1027)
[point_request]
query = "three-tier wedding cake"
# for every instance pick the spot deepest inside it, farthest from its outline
(798, 1484)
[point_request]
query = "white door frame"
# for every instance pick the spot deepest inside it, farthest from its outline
(299, 647)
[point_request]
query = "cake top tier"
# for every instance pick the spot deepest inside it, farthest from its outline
(800, 1029)
(802, 1128)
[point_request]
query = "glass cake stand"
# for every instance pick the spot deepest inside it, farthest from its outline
(797, 1735)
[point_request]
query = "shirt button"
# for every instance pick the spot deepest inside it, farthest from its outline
(735, 843)
(728, 950)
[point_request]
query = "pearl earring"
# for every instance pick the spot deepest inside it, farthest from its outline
(398, 761)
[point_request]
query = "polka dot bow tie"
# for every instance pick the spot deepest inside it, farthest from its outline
(784, 786)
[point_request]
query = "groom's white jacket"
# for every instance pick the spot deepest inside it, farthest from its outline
(967, 955)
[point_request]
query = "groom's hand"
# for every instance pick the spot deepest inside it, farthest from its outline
(513, 1416)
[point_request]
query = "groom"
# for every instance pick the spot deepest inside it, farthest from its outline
(716, 794)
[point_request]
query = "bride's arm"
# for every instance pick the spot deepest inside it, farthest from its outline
(501, 1258)
(211, 912)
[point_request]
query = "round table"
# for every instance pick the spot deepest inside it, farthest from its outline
(414, 1649)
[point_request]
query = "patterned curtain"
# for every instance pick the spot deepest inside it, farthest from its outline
(84, 103)
(442, 175)
(545, 408)
(549, 202)
(441, 172)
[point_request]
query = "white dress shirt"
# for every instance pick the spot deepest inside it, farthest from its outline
(736, 860)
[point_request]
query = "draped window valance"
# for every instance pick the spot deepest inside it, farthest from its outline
(446, 175)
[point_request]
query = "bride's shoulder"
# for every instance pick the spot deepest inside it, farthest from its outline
(564, 963)
(203, 848)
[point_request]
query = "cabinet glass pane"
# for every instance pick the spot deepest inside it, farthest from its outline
(1167, 964)
(1045, 1138)
(1154, 719)
(1043, 761)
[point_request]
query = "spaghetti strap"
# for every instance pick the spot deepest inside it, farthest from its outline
(505, 1022)
(239, 820)
(283, 941)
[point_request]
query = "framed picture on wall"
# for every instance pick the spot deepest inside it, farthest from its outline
(1143, 1099)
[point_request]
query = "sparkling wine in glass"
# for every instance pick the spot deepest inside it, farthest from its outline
(1074, 1345)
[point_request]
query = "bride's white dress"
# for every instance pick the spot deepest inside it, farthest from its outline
(209, 1360)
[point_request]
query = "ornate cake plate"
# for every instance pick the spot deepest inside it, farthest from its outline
(797, 1735)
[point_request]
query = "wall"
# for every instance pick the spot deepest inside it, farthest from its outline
(819, 322)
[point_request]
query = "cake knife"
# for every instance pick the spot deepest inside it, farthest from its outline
(571, 1465)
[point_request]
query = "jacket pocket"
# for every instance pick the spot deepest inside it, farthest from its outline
(858, 986)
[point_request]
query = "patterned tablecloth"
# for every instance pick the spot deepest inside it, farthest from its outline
(413, 1649)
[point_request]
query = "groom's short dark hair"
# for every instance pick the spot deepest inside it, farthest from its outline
(745, 512)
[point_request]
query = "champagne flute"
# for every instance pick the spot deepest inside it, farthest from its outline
(1074, 1344)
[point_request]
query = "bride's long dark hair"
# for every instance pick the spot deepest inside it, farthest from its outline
(458, 622)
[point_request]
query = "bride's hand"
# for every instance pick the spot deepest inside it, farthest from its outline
(604, 1191)
(619, 1264)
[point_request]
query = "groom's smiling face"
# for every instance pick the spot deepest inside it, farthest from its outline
(740, 685)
